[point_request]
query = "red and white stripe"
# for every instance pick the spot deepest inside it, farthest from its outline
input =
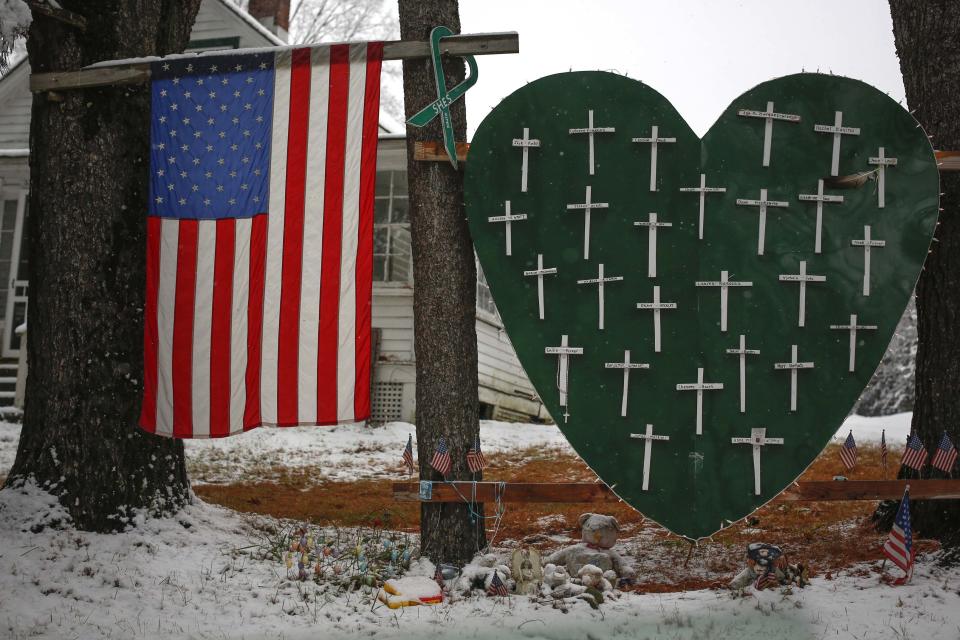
(849, 457)
(895, 548)
(914, 458)
(266, 320)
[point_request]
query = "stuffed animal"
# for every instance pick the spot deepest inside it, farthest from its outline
(598, 535)
(592, 577)
(554, 576)
(767, 568)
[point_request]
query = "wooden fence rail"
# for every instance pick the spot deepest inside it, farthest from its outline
(583, 492)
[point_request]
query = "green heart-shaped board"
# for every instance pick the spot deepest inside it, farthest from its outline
(698, 482)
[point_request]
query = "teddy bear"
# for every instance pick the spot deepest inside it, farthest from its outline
(767, 568)
(593, 577)
(598, 535)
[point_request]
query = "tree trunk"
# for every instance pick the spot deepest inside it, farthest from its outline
(928, 43)
(89, 157)
(444, 296)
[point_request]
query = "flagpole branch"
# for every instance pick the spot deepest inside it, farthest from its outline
(137, 70)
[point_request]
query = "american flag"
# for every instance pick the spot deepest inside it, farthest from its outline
(767, 580)
(475, 460)
(914, 455)
(883, 449)
(408, 454)
(260, 240)
(899, 545)
(945, 456)
(848, 452)
(497, 588)
(441, 458)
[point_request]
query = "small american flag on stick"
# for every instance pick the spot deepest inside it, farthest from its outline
(946, 455)
(497, 588)
(883, 449)
(899, 546)
(408, 454)
(848, 452)
(768, 580)
(441, 458)
(914, 455)
(475, 460)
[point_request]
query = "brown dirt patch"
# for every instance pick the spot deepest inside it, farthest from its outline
(825, 535)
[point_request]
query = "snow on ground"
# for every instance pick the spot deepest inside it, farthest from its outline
(869, 429)
(354, 451)
(195, 576)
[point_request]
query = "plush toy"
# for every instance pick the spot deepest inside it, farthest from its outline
(479, 574)
(767, 568)
(592, 577)
(598, 535)
(554, 576)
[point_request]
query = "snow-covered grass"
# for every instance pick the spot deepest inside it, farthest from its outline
(194, 576)
(345, 452)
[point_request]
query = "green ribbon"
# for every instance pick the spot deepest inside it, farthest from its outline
(441, 106)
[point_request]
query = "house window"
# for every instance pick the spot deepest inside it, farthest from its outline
(392, 254)
(8, 224)
(485, 303)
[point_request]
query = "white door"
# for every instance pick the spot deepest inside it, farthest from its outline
(13, 261)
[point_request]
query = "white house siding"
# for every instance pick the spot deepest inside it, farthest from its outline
(215, 20)
(503, 382)
(14, 173)
(15, 101)
(15, 122)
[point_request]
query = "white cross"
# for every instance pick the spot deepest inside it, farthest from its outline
(649, 438)
(599, 281)
(803, 279)
(652, 250)
(743, 352)
(882, 163)
(793, 366)
(703, 190)
(656, 306)
(525, 143)
(769, 115)
(819, 198)
(852, 327)
(563, 353)
(540, 272)
(626, 365)
(700, 386)
(590, 130)
(837, 130)
(508, 218)
(724, 283)
(763, 203)
(758, 439)
(866, 243)
(586, 207)
(653, 141)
